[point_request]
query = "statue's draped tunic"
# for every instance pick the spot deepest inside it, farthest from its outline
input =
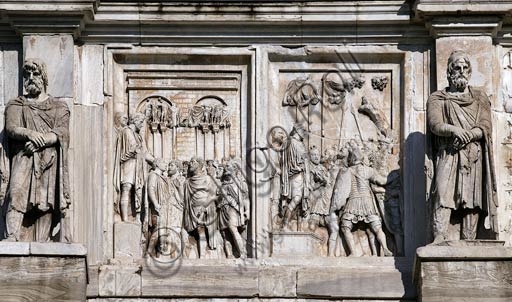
(130, 164)
(232, 205)
(463, 178)
(294, 168)
(166, 202)
(41, 179)
(321, 190)
(199, 208)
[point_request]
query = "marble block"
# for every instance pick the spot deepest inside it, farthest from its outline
(464, 271)
(127, 241)
(294, 243)
(43, 275)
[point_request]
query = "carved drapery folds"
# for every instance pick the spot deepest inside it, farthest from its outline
(161, 114)
(208, 114)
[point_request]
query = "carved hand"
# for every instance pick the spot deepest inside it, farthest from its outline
(462, 137)
(30, 148)
(36, 138)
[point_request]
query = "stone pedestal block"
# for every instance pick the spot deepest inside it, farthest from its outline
(42, 271)
(127, 241)
(295, 243)
(464, 271)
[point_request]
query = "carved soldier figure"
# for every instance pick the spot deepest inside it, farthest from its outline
(360, 200)
(234, 209)
(158, 195)
(321, 190)
(176, 179)
(295, 174)
(166, 205)
(459, 118)
(37, 128)
(121, 120)
(200, 215)
(130, 166)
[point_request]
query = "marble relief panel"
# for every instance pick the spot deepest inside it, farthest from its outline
(334, 138)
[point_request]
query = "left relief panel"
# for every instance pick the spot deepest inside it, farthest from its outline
(178, 184)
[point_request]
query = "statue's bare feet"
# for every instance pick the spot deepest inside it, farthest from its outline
(387, 253)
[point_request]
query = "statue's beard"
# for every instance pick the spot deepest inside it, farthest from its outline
(33, 88)
(459, 81)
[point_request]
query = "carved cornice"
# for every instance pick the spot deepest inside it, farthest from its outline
(462, 17)
(223, 22)
(464, 26)
(28, 17)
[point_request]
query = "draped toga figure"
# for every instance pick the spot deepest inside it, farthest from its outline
(295, 174)
(37, 128)
(459, 120)
(200, 194)
(130, 166)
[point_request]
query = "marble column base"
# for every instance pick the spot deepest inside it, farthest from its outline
(476, 270)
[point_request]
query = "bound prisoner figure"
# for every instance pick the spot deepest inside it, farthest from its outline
(295, 175)
(360, 204)
(459, 120)
(37, 130)
(321, 190)
(130, 167)
(234, 209)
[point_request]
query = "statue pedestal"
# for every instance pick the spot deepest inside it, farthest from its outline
(285, 243)
(32, 271)
(127, 242)
(476, 270)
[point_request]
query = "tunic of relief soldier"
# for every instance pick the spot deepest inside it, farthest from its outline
(465, 177)
(232, 205)
(41, 179)
(321, 190)
(361, 204)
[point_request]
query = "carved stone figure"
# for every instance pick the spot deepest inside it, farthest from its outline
(234, 209)
(166, 206)
(121, 120)
(207, 118)
(200, 196)
(460, 124)
(130, 166)
(295, 174)
(300, 92)
(158, 195)
(335, 92)
(37, 128)
(321, 190)
(360, 204)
